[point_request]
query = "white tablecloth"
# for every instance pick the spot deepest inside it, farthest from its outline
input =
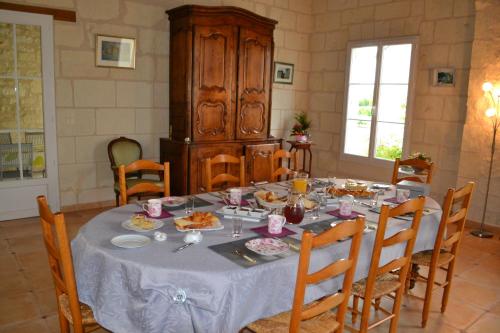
(152, 289)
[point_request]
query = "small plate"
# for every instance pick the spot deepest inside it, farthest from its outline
(267, 246)
(129, 226)
(130, 241)
(172, 201)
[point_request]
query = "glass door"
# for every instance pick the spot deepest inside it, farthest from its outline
(27, 115)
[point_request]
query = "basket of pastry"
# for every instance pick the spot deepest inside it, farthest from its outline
(198, 221)
(352, 187)
(270, 199)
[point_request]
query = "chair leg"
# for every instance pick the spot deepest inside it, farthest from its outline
(408, 279)
(355, 302)
(446, 293)
(377, 304)
(63, 323)
(117, 199)
(396, 307)
(428, 294)
(365, 315)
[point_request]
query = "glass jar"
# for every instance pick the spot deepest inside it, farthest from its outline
(294, 209)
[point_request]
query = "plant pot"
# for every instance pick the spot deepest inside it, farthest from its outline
(301, 138)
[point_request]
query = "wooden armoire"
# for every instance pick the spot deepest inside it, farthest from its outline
(221, 62)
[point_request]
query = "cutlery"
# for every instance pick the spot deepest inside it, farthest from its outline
(290, 244)
(183, 247)
(244, 256)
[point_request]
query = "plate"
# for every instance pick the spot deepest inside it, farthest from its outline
(270, 205)
(267, 246)
(215, 226)
(130, 241)
(172, 201)
(129, 226)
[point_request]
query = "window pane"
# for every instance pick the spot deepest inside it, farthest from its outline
(357, 140)
(392, 103)
(7, 104)
(30, 104)
(360, 102)
(6, 49)
(395, 63)
(29, 60)
(389, 140)
(363, 65)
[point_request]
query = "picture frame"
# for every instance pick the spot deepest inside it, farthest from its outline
(283, 73)
(443, 77)
(114, 51)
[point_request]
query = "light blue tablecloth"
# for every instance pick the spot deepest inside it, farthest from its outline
(152, 289)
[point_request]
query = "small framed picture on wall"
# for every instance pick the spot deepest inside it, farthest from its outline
(112, 51)
(283, 73)
(443, 77)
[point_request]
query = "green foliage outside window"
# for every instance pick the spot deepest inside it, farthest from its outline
(365, 107)
(388, 152)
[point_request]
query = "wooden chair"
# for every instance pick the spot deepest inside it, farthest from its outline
(426, 167)
(277, 159)
(123, 151)
(224, 177)
(71, 312)
(143, 185)
(317, 316)
(380, 281)
(455, 207)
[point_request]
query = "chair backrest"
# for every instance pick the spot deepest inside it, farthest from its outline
(145, 186)
(346, 266)
(277, 159)
(455, 207)
(123, 151)
(224, 177)
(56, 242)
(423, 165)
(408, 236)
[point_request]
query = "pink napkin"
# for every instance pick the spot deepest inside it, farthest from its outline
(164, 214)
(243, 202)
(336, 213)
(263, 231)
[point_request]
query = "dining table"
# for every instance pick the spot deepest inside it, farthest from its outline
(204, 289)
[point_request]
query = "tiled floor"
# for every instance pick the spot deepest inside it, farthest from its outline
(27, 301)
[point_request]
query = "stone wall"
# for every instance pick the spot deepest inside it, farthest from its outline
(95, 105)
(445, 31)
(476, 143)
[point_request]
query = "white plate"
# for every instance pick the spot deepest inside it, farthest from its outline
(217, 226)
(129, 226)
(172, 201)
(270, 205)
(267, 246)
(130, 241)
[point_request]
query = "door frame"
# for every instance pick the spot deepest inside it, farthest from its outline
(49, 115)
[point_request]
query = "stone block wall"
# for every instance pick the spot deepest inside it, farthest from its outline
(95, 105)
(445, 32)
(478, 131)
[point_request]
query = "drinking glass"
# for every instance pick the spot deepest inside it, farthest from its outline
(299, 183)
(189, 205)
(237, 227)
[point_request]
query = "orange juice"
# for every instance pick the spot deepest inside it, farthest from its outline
(300, 185)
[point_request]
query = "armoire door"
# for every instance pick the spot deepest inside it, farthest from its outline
(255, 60)
(214, 78)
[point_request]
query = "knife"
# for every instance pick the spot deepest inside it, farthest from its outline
(183, 247)
(244, 256)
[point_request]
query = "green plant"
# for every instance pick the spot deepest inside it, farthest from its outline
(302, 125)
(420, 156)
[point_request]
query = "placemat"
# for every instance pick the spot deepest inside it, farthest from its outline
(321, 226)
(226, 250)
(164, 214)
(198, 202)
(392, 200)
(264, 232)
(336, 213)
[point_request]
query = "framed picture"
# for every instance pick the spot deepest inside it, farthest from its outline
(112, 51)
(443, 77)
(283, 72)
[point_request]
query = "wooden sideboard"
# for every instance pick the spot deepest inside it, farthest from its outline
(221, 62)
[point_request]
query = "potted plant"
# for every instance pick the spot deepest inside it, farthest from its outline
(419, 156)
(301, 127)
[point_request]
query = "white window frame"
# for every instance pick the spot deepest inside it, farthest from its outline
(371, 159)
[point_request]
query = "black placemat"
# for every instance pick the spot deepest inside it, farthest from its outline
(226, 250)
(198, 202)
(320, 226)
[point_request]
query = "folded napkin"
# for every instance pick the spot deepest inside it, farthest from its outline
(244, 203)
(164, 214)
(264, 232)
(336, 213)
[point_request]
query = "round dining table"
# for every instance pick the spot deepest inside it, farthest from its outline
(154, 289)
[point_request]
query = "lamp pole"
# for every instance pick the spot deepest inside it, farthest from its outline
(494, 115)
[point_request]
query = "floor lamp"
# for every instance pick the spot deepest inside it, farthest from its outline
(494, 114)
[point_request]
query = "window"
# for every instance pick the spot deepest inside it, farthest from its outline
(377, 95)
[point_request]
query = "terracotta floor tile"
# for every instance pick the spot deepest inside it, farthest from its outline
(17, 308)
(32, 326)
(26, 244)
(46, 301)
(495, 309)
(52, 323)
(474, 294)
(22, 228)
(489, 322)
(13, 284)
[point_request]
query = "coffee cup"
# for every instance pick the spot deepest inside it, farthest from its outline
(235, 196)
(275, 224)
(152, 207)
(402, 195)
(345, 205)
